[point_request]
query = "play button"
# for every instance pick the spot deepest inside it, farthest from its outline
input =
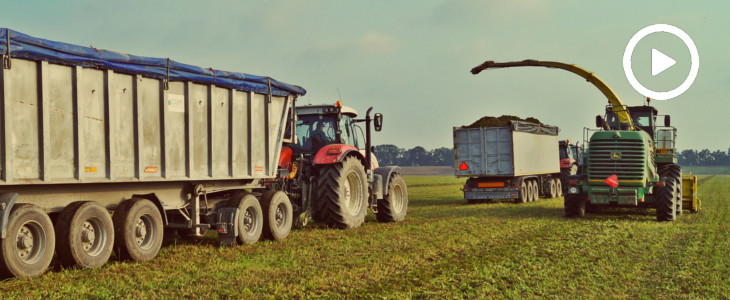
(660, 62)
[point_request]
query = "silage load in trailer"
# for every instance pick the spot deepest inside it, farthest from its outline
(501, 121)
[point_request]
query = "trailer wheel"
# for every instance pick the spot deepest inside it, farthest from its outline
(393, 207)
(343, 189)
(666, 208)
(535, 191)
(524, 193)
(28, 249)
(277, 215)
(559, 187)
(84, 235)
(137, 229)
(530, 191)
(553, 192)
(250, 218)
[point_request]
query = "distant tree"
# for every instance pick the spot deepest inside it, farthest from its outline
(388, 154)
(417, 156)
(442, 157)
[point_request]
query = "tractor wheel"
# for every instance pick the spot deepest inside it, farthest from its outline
(666, 208)
(559, 187)
(575, 207)
(137, 230)
(564, 173)
(250, 218)
(278, 217)
(524, 193)
(393, 207)
(84, 235)
(553, 192)
(28, 249)
(343, 191)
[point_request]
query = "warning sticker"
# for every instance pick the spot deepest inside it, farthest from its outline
(176, 103)
(258, 168)
(150, 170)
(90, 169)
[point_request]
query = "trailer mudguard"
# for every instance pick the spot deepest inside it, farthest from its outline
(7, 200)
(335, 153)
(153, 197)
(385, 172)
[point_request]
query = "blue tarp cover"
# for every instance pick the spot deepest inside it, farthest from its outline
(28, 47)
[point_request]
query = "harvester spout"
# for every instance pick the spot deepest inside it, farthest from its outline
(617, 105)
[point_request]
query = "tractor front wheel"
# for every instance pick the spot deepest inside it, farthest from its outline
(343, 194)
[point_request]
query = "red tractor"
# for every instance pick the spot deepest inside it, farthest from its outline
(330, 173)
(570, 161)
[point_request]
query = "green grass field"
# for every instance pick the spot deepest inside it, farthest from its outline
(444, 249)
(707, 170)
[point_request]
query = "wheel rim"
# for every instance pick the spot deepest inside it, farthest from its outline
(144, 232)
(93, 236)
(396, 198)
(523, 193)
(280, 216)
(30, 242)
(249, 220)
(353, 193)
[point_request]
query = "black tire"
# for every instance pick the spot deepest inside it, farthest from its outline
(530, 192)
(393, 207)
(574, 206)
(138, 230)
(277, 215)
(250, 218)
(564, 173)
(553, 192)
(343, 193)
(672, 173)
(524, 193)
(666, 208)
(28, 249)
(84, 235)
(535, 190)
(559, 187)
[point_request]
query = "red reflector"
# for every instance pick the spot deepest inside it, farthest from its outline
(572, 182)
(334, 151)
(589, 198)
(612, 181)
(220, 230)
(660, 183)
(641, 199)
(463, 166)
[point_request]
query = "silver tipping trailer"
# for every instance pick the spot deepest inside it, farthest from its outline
(168, 147)
(520, 162)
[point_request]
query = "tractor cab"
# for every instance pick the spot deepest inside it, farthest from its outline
(321, 125)
(645, 118)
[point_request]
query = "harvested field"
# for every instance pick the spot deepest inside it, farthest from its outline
(444, 249)
(428, 170)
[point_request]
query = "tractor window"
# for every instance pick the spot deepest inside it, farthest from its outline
(664, 139)
(307, 125)
(348, 133)
(563, 152)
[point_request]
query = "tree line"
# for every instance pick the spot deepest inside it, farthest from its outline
(703, 158)
(418, 156)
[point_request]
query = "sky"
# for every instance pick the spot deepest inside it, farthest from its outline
(410, 60)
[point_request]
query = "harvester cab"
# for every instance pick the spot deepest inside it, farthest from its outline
(331, 173)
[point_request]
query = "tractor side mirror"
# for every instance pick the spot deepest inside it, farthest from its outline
(599, 121)
(378, 121)
(667, 121)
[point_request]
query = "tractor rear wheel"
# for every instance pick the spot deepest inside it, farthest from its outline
(343, 193)
(666, 208)
(393, 207)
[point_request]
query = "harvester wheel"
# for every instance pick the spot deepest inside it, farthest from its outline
(27, 250)
(278, 217)
(250, 218)
(137, 230)
(343, 191)
(393, 207)
(84, 235)
(524, 193)
(575, 207)
(666, 208)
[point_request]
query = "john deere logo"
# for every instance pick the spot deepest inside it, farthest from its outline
(615, 155)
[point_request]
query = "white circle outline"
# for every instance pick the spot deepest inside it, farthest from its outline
(694, 67)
